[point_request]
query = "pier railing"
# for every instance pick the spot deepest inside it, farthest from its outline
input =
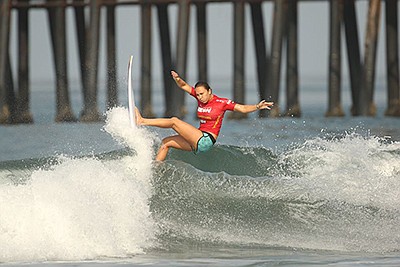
(15, 102)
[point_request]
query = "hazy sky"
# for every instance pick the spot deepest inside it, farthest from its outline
(313, 42)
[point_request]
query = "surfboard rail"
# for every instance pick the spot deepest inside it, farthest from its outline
(131, 95)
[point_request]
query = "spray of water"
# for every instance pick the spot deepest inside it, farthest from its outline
(82, 208)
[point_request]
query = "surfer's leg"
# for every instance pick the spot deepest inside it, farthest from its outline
(175, 141)
(190, 133)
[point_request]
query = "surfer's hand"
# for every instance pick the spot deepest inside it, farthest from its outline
(264, 105)
(174, 74)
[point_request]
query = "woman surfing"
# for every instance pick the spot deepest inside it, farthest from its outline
(210, 110)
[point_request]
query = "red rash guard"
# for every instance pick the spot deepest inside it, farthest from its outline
(212, 113)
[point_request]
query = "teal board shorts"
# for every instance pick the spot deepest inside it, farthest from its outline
(205, 143)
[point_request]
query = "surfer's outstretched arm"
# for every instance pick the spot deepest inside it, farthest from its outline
(180, 82)
(251, 108)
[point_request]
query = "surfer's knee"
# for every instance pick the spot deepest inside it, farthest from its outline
(164, 143)
(162, 152)
(164, 148)
(175, 120)
(167, 143)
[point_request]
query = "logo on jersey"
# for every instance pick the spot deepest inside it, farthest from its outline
(224, 100)
(204, 110)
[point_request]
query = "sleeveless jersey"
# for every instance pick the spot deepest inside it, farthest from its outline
(212, 113)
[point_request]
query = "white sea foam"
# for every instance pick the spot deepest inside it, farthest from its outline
(354, 169)
(82, 208)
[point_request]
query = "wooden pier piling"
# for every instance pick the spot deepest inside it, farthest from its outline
(163, 25)
(279, 24)
(57, 25)
(80, 27)
(367, 106)
(90, 112)
(238, 56)
(335, 71)
(292, 77)
(353, 52)
(112, 85)
(10, 97)
(23, 112)
(262, 57)
(392, 58)
(5, 105)
(201, 19)
(181, 55)
(146, 47)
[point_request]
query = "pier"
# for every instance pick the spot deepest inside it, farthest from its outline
(15, 96)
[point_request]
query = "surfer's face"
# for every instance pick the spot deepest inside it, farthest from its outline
(203, 94)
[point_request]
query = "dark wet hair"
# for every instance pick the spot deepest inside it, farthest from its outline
(204, 84)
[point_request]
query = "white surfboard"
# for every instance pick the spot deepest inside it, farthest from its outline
(131, 96)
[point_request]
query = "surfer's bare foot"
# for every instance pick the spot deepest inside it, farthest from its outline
(139, 118)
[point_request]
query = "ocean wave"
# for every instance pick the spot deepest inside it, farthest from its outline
(332, 193)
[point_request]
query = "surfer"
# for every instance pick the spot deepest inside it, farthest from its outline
(210, 110)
